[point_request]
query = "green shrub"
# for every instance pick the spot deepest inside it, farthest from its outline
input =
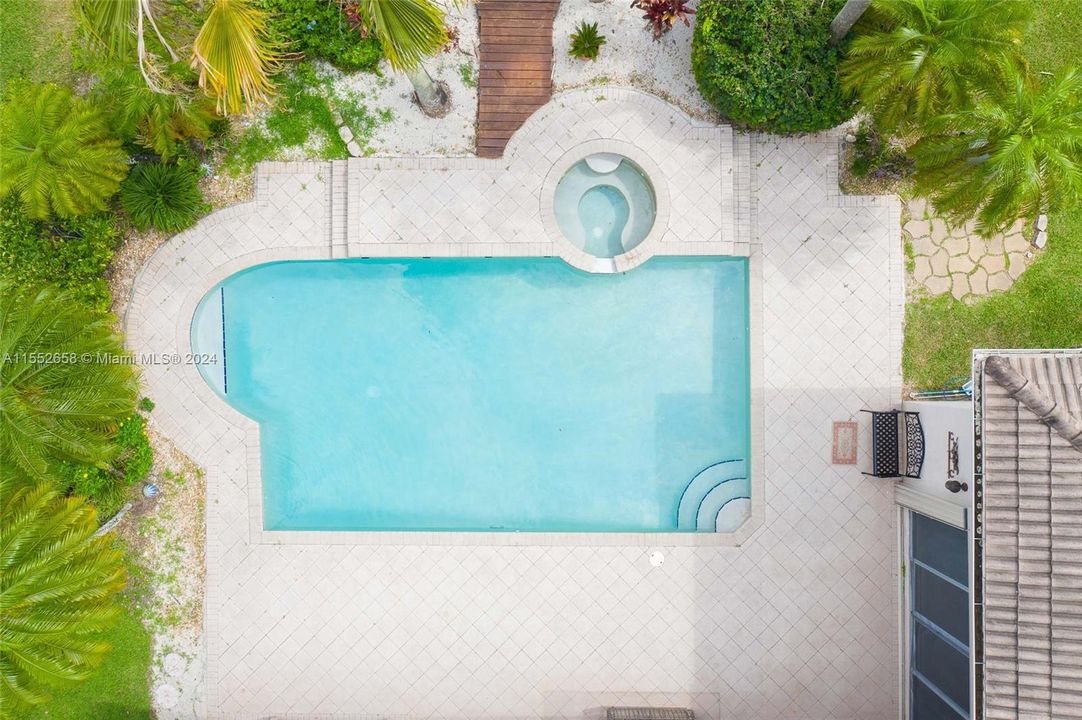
(107, 487)
(319, 29)
(71, 254)
(586, 41)
(165, 197)
(874, 156)
(768, 64)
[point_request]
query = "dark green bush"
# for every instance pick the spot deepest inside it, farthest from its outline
(768, 64)
(71, 254)
(108, 487)
(318, 28)
(165, 197)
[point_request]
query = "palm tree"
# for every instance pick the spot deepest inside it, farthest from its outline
(846, 18)
(65, 382)
(155, 120)
(57, 589)
(410, 30)
(915, 59)
(114, 25)
(235, 56)
(57, 153)
(1017, 153)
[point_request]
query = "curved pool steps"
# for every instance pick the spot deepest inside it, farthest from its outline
(732, 514)
(725, 472)
(719, 496)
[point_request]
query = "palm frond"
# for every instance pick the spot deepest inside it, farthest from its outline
(57, 589)
(64, 409)
(235, 56)
(409, 30)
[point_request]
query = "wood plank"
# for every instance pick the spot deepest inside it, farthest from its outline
(516, 74)
(541, 25)
(513, 104)
(520, 115)
(516, 13)
(531, 5)
(490, 125)
(516, 50)
(510, 44)
(514, 94)
(538, 85)
(537, 66)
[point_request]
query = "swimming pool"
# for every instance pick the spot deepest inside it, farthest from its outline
(489, 394)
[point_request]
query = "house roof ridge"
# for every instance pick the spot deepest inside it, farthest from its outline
(1036, 400)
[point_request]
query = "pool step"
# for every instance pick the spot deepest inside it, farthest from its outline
(715, 502)
(339, 208)
(732, 514)
(721, 481)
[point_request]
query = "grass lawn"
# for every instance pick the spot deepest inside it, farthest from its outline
(119, 688)
(1044, 307)
(34, 35)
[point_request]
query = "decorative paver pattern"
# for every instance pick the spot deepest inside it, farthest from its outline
(955, 259)
(798, 621)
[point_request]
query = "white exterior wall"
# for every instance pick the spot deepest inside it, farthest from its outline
(940, 417)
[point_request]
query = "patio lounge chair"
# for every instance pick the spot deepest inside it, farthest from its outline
(897, 444)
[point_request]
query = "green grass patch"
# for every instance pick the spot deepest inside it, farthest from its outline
(1041, 310)
(1055, 37)
(301, 117)
(119, 689)
(35, 41)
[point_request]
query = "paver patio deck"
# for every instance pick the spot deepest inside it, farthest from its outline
(798, 621)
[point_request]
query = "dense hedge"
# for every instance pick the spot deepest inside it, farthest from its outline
(319, 30)
(72, 253)
(768, 64)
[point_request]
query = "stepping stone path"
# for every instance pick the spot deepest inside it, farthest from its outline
(958, 260)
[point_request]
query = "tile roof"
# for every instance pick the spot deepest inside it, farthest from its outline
(1032, 530)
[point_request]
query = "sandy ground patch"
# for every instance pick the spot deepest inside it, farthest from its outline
(411, 132)
(630, 55)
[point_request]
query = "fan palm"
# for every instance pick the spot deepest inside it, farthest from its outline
(57, 588)
(409, 31)
(65, 384)
(912, 60)
(235, 56)
(117, 28)
(1017, 153)
(57, 153)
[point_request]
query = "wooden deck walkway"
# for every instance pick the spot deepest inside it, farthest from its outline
(516, 67)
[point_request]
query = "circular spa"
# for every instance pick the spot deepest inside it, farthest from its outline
(605, 205)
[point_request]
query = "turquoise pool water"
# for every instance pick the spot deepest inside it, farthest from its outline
(478, 394)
